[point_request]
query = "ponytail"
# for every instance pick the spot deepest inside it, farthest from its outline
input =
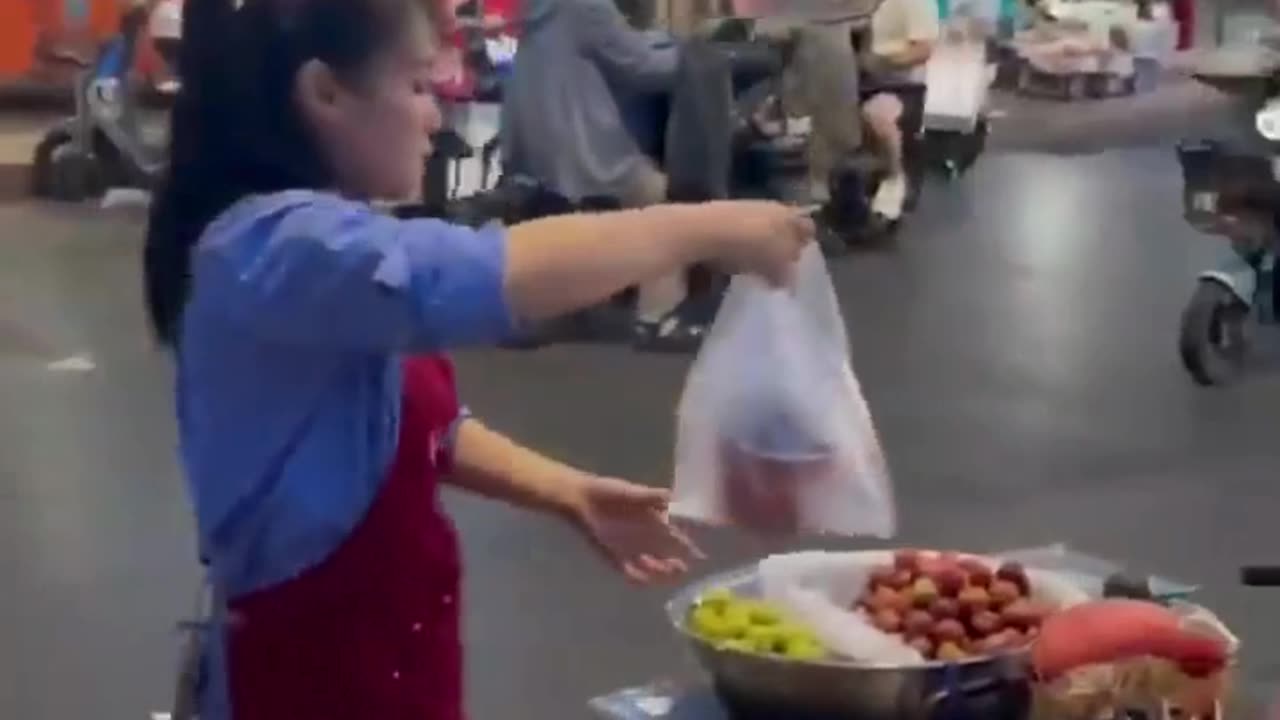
(235, 131)
(174, 224)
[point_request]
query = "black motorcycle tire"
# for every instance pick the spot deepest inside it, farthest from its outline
(76, 178)
(43, 179)
(1211, 342)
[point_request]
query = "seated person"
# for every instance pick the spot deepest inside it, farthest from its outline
(165, 29)
(825, 74)
(903, 34)
(562, 126)
(822, 83)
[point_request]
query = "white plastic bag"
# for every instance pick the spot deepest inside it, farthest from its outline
(773, 433)
(956, 86)
(820, 588)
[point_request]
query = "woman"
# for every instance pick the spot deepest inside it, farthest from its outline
(315, 413)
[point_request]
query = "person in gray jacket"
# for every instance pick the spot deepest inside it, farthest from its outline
(562, 125)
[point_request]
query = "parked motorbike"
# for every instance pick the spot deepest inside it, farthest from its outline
(1233, 192)
(103, 144)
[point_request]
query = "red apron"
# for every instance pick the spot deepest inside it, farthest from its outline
(371, 633)
(1184, 14)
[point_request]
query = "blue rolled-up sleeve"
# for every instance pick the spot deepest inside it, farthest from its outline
(317, 269)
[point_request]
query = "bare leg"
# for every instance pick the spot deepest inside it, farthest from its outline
(656, 298)
(882, 114)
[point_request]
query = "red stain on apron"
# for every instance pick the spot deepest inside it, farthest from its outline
(371, 633)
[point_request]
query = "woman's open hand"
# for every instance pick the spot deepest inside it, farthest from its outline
(628, 524)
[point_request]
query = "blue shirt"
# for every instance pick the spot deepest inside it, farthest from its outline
(288, 385)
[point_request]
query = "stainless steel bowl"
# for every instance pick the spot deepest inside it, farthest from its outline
(754, 686)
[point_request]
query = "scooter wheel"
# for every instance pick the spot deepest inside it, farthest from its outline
(1212, 340)
(43, 181)
(74, 177)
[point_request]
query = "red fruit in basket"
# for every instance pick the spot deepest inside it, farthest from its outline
(979, 572)
(944, 608)
(923, 645)
(897, 601)
(880, 575)
(1006, 640)
(882, 598)
(949, 579)
(908, 560)
(986, 623)
(1016, 574)
(887, 621)
(1022, 614)
(923, 592)
(951, 652)
(949, 631)
(916, 623)
(900, 580)
(1004, 592)
(973, 600)
(988, 645)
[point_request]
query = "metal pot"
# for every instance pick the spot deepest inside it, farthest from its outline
(753, 686)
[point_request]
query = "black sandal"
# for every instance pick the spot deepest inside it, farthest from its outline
(674, 333)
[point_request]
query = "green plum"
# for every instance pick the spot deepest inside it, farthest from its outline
(804, 649)
(719, 598)
(710, 624)
(763, 614)
(738, 618)
(764, 638)
(739, 645)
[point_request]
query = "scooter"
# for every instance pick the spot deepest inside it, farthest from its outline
(1235, 194)
(101, 146)
(730, 155)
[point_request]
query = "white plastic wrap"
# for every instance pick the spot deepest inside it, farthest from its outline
(773, 433)
(820, 589)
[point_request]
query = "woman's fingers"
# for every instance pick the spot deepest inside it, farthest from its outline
(687, 546)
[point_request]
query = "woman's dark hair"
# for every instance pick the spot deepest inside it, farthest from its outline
(235, 129)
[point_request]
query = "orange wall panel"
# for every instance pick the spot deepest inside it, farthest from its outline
(18, 33)
(28, 25)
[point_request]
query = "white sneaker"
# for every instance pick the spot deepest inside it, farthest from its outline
(890, 197)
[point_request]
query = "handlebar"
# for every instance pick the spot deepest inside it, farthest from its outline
(65, 56)
(1260, 575)
(752, 59)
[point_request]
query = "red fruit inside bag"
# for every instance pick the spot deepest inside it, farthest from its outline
(773, 433)
(765, 482)
(1108, 631)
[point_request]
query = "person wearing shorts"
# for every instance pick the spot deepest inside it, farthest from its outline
(903, 35)
(822, 83)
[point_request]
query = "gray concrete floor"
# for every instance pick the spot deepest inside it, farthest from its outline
(1018, 351)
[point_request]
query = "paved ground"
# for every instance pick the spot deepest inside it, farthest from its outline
(1017, 347)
